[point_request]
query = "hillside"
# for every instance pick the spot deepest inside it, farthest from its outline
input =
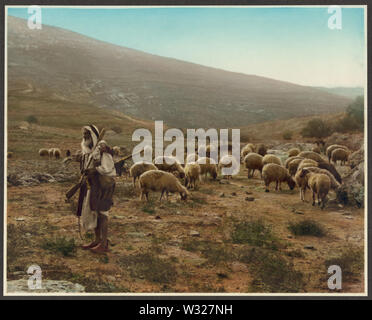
(77, 69)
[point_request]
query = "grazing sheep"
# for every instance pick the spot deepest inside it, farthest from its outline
(50, 152)
(307, 163)
(301, 182)
(293, 152)
(57, 153)
(340, 154)
(293, 165)
(116, 150)
(261, 149)
(10, 155)
(207, 165)
(245, 150)
(331, 168)
(192, 174)
(334, 183)
(311, 155)
(161, 181)
(140, 167)
(273, 172)
(253, 161)
(319, 184)
(175, 166)
(316, 149)
(270, 158)
(288, 160)
(333, 147)
(227, 161)
(68, 153)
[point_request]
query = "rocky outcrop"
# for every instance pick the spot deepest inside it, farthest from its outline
(49, 286)
(352, 189)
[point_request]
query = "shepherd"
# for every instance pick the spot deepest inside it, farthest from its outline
(96, 191)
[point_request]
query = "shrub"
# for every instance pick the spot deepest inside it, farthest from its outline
(346, 124)
(150, 267)
(316, 128)
(32, 119)
(61, 245)
(254, 233)
(287, 135)
(306, 228)
(271, 272)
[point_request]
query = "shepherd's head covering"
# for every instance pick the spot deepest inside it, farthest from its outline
(94, 133)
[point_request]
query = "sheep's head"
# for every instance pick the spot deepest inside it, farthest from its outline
(184, 194)
(291, 183)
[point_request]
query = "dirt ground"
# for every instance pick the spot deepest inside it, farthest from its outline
(185, 247)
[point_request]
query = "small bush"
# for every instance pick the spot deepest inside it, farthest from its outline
(61, 245)
(316, 128)
(149, 207)
(271, 272)
(350, 260)
(150, 267)
(306, 228)
(287, 135)
(254, 233)
(32, 119)
(346, 124)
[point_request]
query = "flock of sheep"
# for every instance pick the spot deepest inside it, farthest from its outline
(306, 169)
(52, 153)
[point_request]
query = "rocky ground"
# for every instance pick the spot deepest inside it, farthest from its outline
(230, 236)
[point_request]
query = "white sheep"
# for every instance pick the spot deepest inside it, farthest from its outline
(227, 161)
(192, 174)
(161, 181)
(318, 183)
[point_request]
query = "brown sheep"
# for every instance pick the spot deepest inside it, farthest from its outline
(161, 181)
(307, 163)
(261, 149)
(333, 147)
(138, 168)
(270, 158)
(273, 172)
(43, 152)
(340, 154)
(246, 149)
(293, 152)
(293, 165)
(288, 160)
(316, 149)
(175, 165)
(311, 155)
(253, 161)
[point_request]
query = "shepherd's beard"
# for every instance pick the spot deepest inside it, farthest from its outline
(87, 144)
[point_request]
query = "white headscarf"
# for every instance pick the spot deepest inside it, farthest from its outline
(94, 134)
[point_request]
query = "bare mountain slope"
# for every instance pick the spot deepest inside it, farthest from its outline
(81, 69)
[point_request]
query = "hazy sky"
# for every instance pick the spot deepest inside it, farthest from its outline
(292, 44)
